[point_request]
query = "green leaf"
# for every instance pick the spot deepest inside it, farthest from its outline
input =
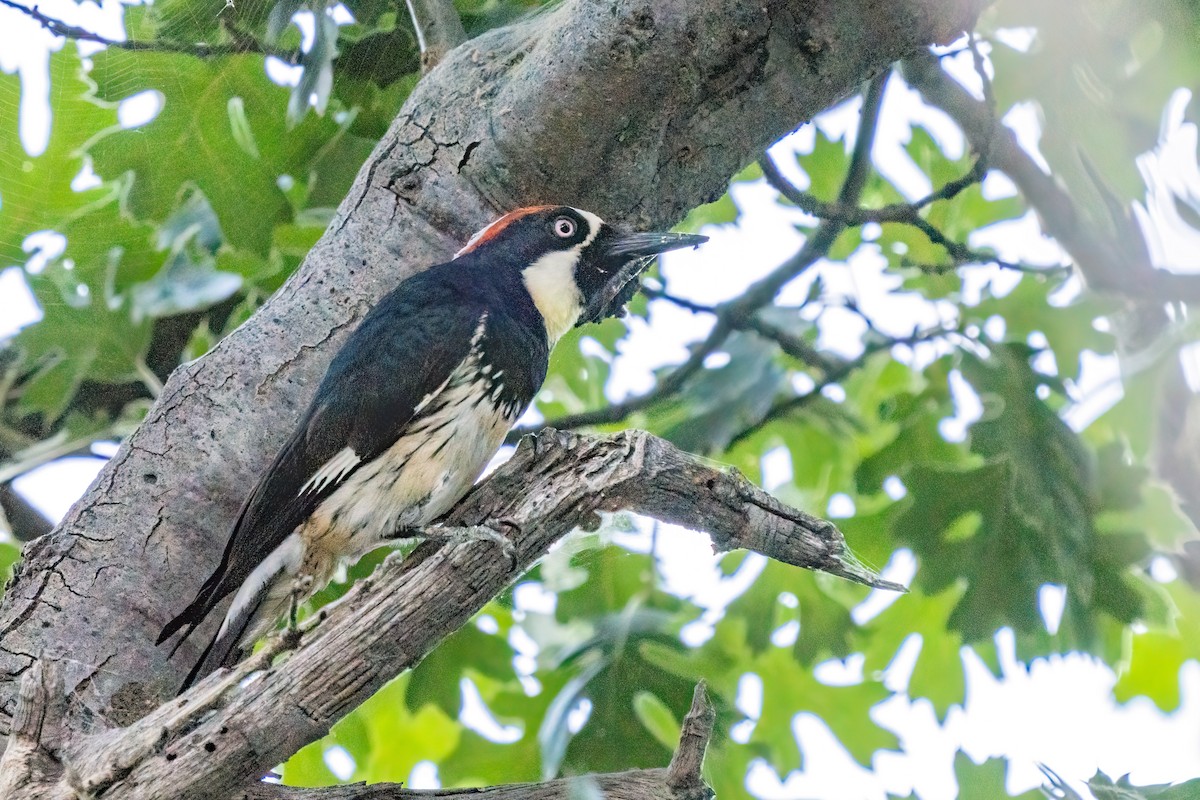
(10, 554)
(384, 738)
(1024, 518)
(984, 781)
(938, 673)
(719, 403)
(1104, 788)
(436, 680)
(1156, 655)
(76, 343)
(825, 165)
(721, 211)
(316, 79)
(623, 614)
(35, 191)
(218, 150)
(657, 718)
(824, 618)
(1070, 329)
(789, 688)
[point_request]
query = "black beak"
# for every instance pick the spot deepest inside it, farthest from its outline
(626, 256)
(627, 246)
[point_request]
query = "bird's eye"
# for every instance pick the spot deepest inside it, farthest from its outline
(564, 227)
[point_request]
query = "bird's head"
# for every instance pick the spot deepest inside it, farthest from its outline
(576, 267)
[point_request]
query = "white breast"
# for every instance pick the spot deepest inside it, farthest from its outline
(420, 477)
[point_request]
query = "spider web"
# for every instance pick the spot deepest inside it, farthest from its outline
(67, 107)
(160, 159)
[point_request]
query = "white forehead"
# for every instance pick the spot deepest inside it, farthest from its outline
(594, 223)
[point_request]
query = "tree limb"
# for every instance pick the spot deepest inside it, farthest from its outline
(439, 29)
(198, 49)
(235, 725)
(638, 111)
(681, 781)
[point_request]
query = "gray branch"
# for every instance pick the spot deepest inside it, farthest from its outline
(439, 29)
(1108, 263)
(638, 111)
(25, 522)
(682, 781)
(235, 725)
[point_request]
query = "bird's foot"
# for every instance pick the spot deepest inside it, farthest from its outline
(474, 533)
(404, 534)
(301, 586)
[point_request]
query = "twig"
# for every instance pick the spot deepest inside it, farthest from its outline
(1102, 260)
(962, 254)
(785, 407)
(200, 49)
(438, 27)
(656, 293)
(980, 257)
(791, 344)
(851, 214)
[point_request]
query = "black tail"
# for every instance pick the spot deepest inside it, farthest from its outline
(224, 649)
(197, 610)
(194, 674)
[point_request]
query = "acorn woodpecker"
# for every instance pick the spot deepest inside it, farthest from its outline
(413, 407)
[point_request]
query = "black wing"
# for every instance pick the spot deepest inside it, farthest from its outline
(405, 348)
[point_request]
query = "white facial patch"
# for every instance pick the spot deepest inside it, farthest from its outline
(551, 283)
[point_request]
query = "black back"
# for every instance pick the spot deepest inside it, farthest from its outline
(404, 349)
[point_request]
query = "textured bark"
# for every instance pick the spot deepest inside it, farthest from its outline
(439, 29)
(681, 781)
(637, 110)
(642, 784)
(234, 726)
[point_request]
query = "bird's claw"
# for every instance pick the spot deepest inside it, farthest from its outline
(476, 533)
(301, 585)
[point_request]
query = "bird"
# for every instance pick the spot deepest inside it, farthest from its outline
(412, 408)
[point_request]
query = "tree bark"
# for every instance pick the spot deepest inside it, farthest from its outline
(681, 781)
(638, 110)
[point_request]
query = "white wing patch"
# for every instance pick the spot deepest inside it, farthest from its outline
(473, 351)
(419, 407)
(332, 470)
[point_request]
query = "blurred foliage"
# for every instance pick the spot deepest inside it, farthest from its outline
(143, 245)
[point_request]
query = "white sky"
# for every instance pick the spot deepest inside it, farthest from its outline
(1056, 711)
